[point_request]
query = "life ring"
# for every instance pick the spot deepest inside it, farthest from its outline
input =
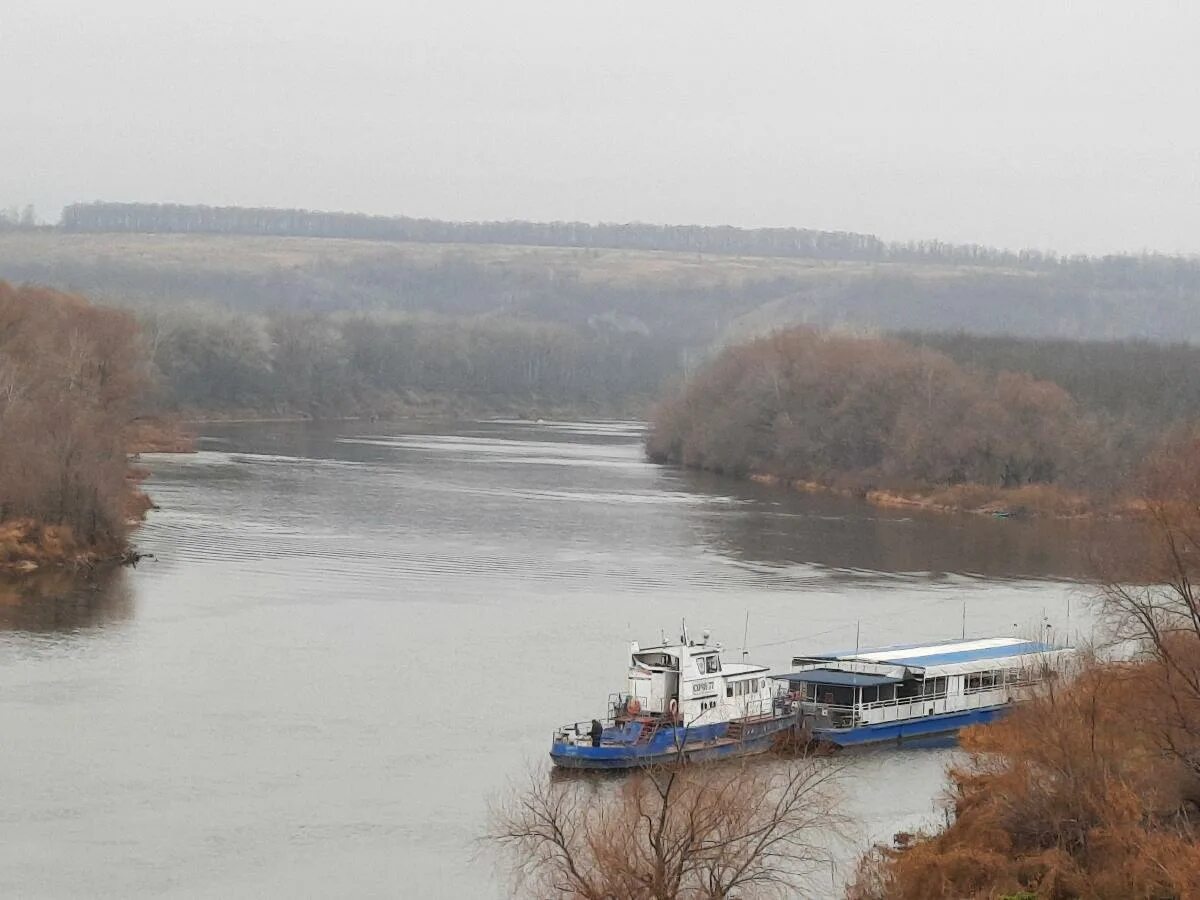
(673, 706)
(634, 706)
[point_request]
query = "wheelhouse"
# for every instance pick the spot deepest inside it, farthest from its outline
(688, 683)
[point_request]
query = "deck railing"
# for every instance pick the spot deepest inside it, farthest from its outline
(973, 699)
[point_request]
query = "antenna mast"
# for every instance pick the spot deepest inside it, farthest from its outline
(746, 637)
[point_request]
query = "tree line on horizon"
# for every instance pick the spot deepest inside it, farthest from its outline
(805, 243)
(18, 218)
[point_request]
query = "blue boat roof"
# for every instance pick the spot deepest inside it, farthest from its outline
(836, 676)
(940, 653)
(937, 659)
(923, 655)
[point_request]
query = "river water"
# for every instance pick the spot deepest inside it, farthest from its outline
(352, 637)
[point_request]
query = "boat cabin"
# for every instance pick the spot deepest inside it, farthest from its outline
(688, 683)
(894, 684)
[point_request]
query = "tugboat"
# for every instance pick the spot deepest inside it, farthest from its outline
(683, 703)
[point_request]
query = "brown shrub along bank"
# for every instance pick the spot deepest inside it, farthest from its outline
(884, 419)
(1092, 789)
(70, 376)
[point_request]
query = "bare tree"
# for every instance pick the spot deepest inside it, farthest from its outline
(698, 831)
(1150, 590)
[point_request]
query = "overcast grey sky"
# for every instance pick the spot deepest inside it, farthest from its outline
(1066, 126)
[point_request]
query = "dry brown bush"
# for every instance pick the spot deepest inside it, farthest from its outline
(70, 376)
(1065, 798)
(687, 833)
(881, 414)
(1092, 789)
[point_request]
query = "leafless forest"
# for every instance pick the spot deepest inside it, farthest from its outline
(72, 376)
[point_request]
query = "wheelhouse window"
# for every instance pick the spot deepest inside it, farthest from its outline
(659, 660)
(712, 664)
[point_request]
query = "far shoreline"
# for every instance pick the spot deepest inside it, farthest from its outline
(1039, 501)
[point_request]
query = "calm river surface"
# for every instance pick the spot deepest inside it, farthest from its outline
(353, 636)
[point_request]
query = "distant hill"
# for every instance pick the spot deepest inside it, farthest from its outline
(798, 243)
(686, 300)
(666, 297)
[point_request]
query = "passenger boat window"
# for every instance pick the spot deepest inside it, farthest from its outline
(983, 681)
(835, 695)
(714, 663)
(729, 690)
(935, 686)
(870, 694)
(700, 665)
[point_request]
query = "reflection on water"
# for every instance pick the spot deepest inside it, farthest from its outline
(352, 635)
(779, 528)
(65, 601)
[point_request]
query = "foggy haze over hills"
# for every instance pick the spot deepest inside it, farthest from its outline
(1014, 125)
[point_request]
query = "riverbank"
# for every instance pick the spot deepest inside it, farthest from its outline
(1031, 500)
(160, 435)
(27, 546)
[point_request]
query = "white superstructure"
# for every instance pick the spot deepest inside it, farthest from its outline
(860, 695)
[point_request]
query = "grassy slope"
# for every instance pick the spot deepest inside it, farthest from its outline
(685, 299)
(54, 252)
(259, 254)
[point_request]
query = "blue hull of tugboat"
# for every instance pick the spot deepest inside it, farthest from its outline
(702, 744)
(909, 729)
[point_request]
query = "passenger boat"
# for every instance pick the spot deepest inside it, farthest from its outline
(918, 690)
(683, 702)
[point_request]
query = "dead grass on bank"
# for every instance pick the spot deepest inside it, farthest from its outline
(160, 435)
(1039, 500)
(26, 545)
